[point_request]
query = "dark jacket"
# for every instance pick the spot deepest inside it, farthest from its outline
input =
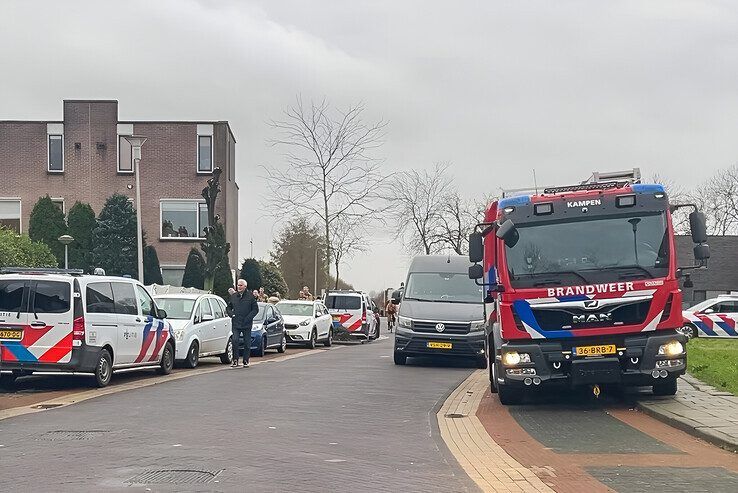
(243, 308)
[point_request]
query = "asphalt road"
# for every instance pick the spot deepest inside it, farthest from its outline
(344, 419)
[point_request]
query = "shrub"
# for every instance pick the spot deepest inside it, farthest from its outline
(20, 251)
(251, 273)
(114, 238)
(194, 274)
(47, 224)
(152, 269)
(81, 222)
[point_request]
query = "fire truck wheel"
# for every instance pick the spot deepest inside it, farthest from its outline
(666, 388)
(7, 380)
(509, 396)
(493, 378)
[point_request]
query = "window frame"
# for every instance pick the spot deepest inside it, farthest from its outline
(217, 309)
(141, 291)
(34, 293)
(199, 202)
(48, 153)
(116, 302)
(20, 210)
(118, 168)
(197, 160)
(87, 297)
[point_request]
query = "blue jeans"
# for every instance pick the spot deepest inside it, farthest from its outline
(237, 333)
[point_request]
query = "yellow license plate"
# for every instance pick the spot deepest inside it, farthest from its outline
(440, 345)
(594, 350)
(15, 335)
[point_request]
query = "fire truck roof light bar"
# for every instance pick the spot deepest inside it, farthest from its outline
(587, 186)
(624, 178)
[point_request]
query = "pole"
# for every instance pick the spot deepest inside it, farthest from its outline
(139, 228)
(66, 256)
(315, 288)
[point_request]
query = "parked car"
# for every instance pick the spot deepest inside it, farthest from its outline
(57, 320)
(352, 311)
(715, 317)
(268, 331)
(201, 326)
(307, 322)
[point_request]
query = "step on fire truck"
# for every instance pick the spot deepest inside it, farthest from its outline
(583, 287)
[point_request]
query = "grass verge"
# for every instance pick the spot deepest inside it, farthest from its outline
(715, 362)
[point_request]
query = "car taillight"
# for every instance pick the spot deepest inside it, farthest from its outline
(78, 331)
(363, 315)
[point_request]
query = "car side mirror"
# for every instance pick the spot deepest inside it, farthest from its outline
(701, 251)
(207, 318)
(698, 227)
(476, 248)
(196, 320)
(162, 313)
(476, 271)
(508, 233)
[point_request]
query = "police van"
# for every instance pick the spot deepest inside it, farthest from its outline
(61, 320)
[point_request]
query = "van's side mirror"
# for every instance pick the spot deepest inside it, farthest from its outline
(508, 233)
(698, 227)
(702, 251)
(476, 248)
(396, 296)
(476, 271)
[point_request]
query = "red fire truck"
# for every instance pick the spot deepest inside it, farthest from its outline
(582, 286)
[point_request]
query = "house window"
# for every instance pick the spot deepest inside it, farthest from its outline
(204, 153)
(172, 274)
(125, 156)
(56, 153)
(10, 214)
(59, 203)
(183, 219)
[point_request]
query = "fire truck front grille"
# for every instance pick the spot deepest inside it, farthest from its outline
(576, 318)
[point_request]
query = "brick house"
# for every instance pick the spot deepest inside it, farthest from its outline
(721, 274)
(85, 157)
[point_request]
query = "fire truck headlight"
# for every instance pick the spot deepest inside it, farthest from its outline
(404, 322)
(512, 358)
(671, 348)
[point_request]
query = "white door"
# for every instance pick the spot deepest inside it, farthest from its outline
(101, 321)
(134, 342)
(221, 325)
(206, 326)
(15, 336)
(148, 323)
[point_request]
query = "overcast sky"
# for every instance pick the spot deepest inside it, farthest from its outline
(496, 88)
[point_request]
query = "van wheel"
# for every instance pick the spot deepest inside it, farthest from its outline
(167, 359)
(227, 357)
(104, 369)
(7, 380)
(282, 345)
(400, 359)
(313, 339)
(329, 341)
(193, 355)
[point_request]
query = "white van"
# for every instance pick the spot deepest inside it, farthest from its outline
(57, 320)
(201, 326)
(353, 311)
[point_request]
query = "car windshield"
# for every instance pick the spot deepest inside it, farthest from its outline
(442, 286)
(176, 308)
(701, 305)
(343, 302)
(299, 309)
(584, 252)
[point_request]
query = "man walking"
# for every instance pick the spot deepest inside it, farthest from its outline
(243, 308)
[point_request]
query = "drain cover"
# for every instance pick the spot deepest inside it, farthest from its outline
(59, 435)
(455, 415)
(174, 476)
(46, 406)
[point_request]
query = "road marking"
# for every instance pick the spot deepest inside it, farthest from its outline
(68, 400)
(483, 460)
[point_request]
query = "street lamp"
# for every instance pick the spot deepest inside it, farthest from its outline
(136, 142)
(315, 279)
(66, 240)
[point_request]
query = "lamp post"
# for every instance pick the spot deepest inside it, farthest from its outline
(136, 142)
(66, 240)
(315, 279)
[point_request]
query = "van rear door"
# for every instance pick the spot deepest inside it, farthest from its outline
(50, 321)
(14, 321)
(346, 310)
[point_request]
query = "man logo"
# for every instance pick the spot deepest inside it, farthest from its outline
(440, 327)
(592, 318)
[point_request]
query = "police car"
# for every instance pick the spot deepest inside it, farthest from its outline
(61, 320)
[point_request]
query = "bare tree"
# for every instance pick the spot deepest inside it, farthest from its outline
(458, 219)
(330, 171)
(348, 239)
(677, 195)
(419, 198)
(718, 199)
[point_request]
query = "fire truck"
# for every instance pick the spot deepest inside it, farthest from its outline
(582, 286)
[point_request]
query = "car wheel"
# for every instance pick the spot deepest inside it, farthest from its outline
(329, 341)
(691, 331)
(104, 369)
(262, 350)
(167, 359)
(227, 357)
(400, 359)
(193, 355)
(666, 388)
(509, 396)
(313, 339)
(282, 345)
(376, 332)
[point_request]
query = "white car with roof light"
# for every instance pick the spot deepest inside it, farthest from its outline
(306, 322)
(201, 326)
(716, 317)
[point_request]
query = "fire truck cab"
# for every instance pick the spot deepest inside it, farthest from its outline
(582, 286)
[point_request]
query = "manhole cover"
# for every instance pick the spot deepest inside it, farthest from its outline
(455, 415)
(174, 476)
(46, 406)
(58, 435)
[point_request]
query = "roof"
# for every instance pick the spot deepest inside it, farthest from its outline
(455, 264)
(721, 273)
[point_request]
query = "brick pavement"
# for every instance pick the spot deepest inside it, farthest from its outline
(700, 410)
(338, 420)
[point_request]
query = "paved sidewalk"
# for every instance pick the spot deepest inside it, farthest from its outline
(698, 409)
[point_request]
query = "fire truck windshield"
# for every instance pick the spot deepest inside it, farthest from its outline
(600, 249)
